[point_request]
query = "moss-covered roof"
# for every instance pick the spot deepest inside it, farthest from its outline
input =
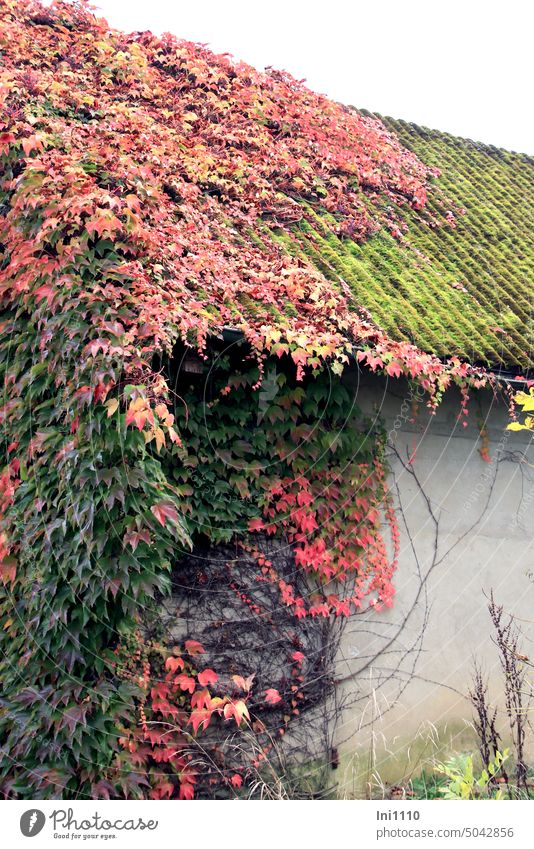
(464, 289)
(243, 199)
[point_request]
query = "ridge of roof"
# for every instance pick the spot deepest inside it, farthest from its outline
(422, 129)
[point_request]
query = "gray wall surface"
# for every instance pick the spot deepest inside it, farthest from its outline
(467, 528)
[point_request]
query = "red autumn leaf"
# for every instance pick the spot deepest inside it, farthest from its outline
(394, 370)
(304, 498)
(200, 718)
(44, 291)
(297, 656)
(6, 139)
(187, 791)
(185, 682)
(374, 362)
(174, 436)
(174, 663)
(133, 538)
(236, 780)
(272, 696)
(207, 677)
(299, 356)
(193, 648)
(114, 586)
(164, 510)
(201, 699)
(103, 224)
(162, 791)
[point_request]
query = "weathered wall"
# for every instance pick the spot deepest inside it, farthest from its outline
(467, 527)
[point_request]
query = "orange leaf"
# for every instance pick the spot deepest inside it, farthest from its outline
(8, 570)
(238, 710)
(244, 683)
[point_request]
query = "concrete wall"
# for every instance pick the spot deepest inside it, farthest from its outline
(467, 527)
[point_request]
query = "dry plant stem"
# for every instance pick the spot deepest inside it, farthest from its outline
(507, 636)
(484, 722)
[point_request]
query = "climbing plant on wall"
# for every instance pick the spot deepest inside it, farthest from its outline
(149, 192)
(295, 458)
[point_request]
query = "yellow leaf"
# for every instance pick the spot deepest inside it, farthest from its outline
(525, 400)
(160, 438)
(137, 403)
(111, 406)
(161, 411)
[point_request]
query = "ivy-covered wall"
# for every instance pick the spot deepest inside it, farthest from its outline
(149, 195)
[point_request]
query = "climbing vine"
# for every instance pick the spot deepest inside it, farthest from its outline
(295, 459)
(144, 187)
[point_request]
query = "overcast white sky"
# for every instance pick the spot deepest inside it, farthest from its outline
(465, 67)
